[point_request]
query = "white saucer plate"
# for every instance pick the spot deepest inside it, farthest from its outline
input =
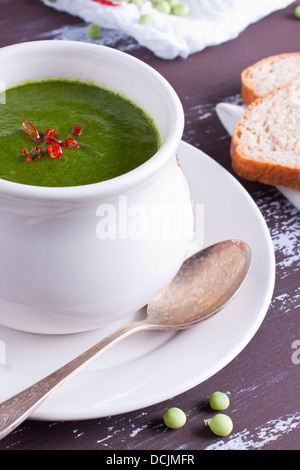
(150, 367)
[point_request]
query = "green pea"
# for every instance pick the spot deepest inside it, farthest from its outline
(94, 30)
(164, 7)
(172, 2)
(219, 401)
(220, 424)
(297, 12)
(145, 19)
(180, 9)
(174, 418)
(138, 3)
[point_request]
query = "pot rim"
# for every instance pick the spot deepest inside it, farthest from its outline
(122, 183)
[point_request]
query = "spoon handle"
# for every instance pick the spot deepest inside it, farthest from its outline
(17, 408)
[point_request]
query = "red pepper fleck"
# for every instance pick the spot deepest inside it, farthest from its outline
(77, 130)
(33, 150)
(108, 2)
(33, 132)
(50, 136)
(25, 152)
(70, 143)
(54, 151)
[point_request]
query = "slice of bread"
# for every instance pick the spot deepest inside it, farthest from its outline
(265, 145)
(268, 74)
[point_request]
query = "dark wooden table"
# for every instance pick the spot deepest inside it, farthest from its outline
(263, 381)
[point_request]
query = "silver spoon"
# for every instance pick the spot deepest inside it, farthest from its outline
(206, 282)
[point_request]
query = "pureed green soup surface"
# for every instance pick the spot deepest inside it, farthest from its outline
(117, 135)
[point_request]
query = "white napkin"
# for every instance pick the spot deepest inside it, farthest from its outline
(229, 115)
(210, 22)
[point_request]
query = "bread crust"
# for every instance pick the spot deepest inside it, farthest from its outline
(250, 94)
(262, 171)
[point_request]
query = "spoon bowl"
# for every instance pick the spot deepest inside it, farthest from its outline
(206, 282)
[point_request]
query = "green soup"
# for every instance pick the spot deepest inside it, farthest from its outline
(117, 135)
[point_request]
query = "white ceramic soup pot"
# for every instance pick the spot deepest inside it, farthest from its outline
(78, 258)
